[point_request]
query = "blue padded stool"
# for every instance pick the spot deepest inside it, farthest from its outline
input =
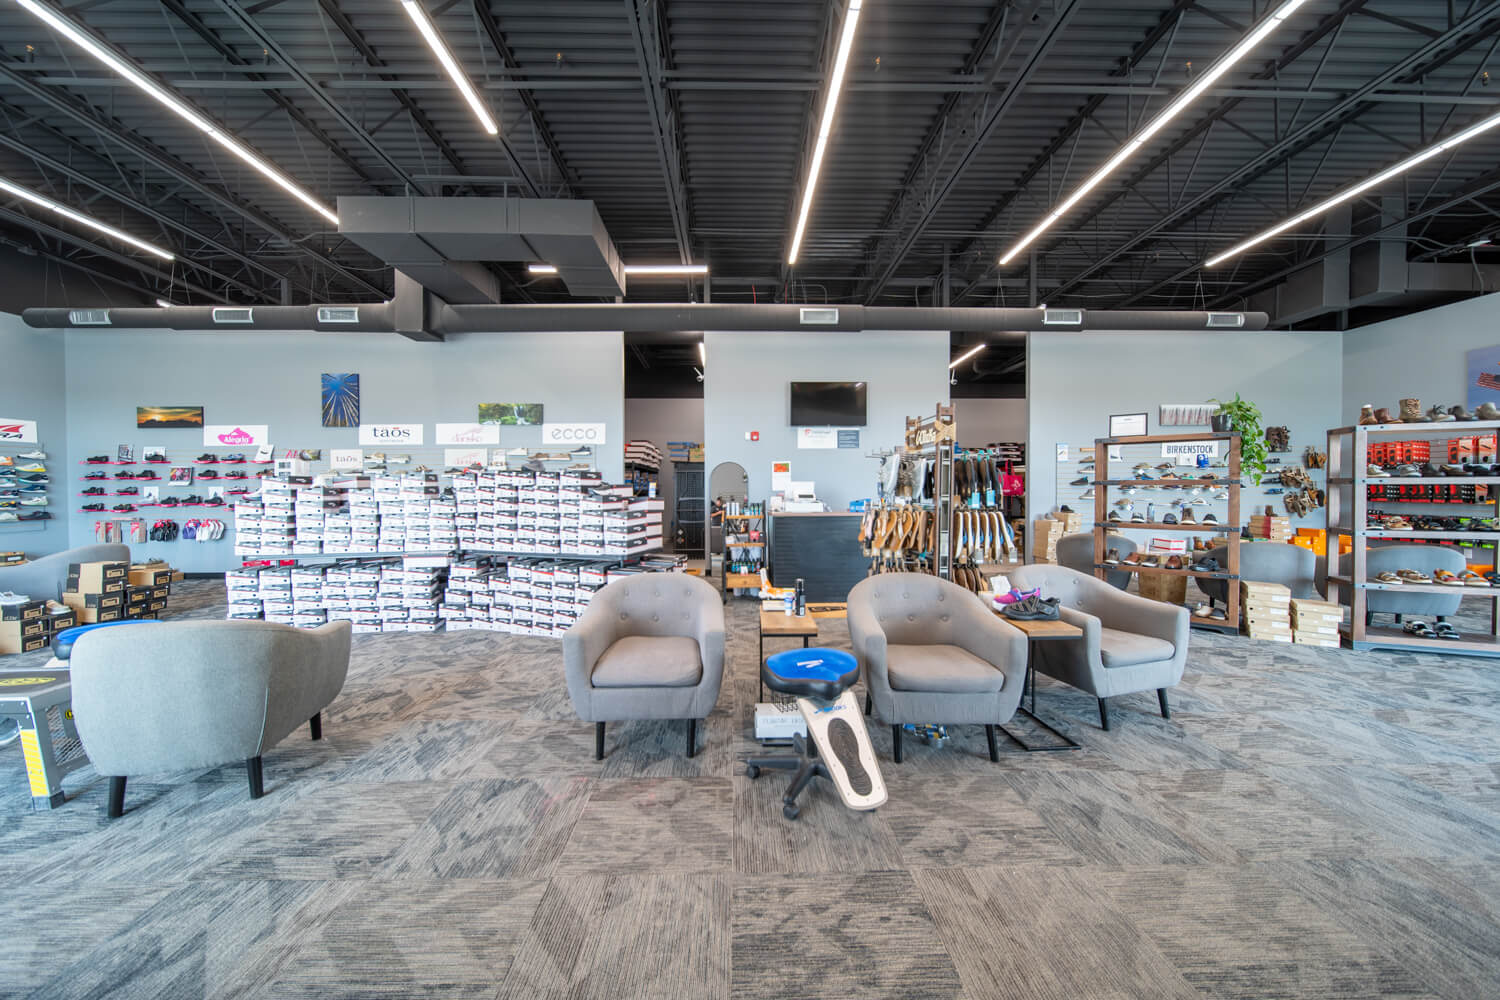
(62, 643)
(838, 745)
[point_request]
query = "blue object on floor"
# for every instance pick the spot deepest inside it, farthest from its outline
(814, 673)
(62, 643)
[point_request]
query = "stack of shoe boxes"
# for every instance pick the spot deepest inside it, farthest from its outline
(1270, 528)
(1316, 623)
(23, 627)
(147, 590)
(376, 595)
(96, 591)
(1266, 610)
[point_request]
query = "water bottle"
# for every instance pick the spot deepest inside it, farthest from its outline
(790, 604)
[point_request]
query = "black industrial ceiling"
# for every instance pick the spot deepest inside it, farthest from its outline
(689, 124)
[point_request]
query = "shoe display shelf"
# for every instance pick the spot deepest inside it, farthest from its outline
(30, 516)
(742, 557)
(1106, 489)
(1349, 451)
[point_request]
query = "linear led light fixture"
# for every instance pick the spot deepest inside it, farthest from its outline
(82, 220)
(1221, 66)
(965, 357)
(450, 65)
(164, 304)
(661, 270)
(702, 355)
(1479, 128)
(825, 125)
(172, 103)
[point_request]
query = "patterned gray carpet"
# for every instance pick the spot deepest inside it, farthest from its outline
(1310, 823)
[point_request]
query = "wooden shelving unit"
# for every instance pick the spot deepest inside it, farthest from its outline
(1230, 530)
(1348, 460)
(734, 524)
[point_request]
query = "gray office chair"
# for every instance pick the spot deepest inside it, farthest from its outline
(1129, 643)
(648, 647)
(930, 651)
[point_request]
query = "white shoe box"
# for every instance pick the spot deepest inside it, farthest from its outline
(779, 721)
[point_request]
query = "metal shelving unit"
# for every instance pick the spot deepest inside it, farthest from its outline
(1348, 460)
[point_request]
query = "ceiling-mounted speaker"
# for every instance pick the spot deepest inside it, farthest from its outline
(1226, 321)
(88, 317)
(338, 314)
(233, 314)
(820, 316)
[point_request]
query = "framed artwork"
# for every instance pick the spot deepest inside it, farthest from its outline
(1482, 377)
(341, 400)
(168, 416)
(511, 414)
(125, 454)
(181, 474)
(1127, 425)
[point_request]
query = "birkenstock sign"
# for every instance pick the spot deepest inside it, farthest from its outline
(235, 435)
(1190, 449)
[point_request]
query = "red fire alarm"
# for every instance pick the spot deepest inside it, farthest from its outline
(755, 435)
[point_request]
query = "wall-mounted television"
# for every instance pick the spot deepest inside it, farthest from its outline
(828, 404)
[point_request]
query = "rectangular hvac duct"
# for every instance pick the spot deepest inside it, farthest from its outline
(445, 243)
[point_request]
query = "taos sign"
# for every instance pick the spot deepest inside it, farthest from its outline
(235, 435)
(572, 435)
(467, 434)
(390, 433)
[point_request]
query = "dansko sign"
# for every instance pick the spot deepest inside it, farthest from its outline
(390, 433)
(467, 434)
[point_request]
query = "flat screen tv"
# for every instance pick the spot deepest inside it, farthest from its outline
(828, 404)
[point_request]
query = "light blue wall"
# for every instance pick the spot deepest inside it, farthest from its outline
(31, 388)
(1076, 380)
(1421, 355)
(273, 379)
(747, 388)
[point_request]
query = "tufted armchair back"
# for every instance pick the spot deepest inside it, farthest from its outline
(1075, 590)
(913, 609)
(663, 604)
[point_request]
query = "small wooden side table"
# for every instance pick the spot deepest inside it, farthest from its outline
(1039, 631)
(777, 624)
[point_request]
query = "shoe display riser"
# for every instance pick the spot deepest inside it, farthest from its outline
(25, 487)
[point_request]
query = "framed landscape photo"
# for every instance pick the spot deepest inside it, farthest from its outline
(147, 417)
(511, 414)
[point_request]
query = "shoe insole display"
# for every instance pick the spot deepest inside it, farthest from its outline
(838, 731)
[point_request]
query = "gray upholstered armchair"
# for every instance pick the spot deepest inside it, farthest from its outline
(930, 651)
(648, 647)
(192, 694)
(1129, 643)
(44, 578)
(1422, 558)
(1292, 566)
(1076, 551)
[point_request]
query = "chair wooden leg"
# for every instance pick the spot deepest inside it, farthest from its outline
(598, 741)
(1161, 696)
(896, 743)
(116, 797)
(1103, 715)
(869, 702)
(257, 777)
(316, 725)
(692, 742)
(989, 734)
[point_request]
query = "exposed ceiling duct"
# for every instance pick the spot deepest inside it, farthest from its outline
(440, 319)
(444, 244)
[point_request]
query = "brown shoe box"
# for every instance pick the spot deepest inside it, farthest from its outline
(95, 602)
(59, 620)
(93, 616)
(91, 577)
(30, 611)
(150, 576)
(23, 637)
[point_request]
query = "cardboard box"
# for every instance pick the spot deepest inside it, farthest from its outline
(27, 612)
(92, 616)
(12, 643)
(81, 602)
(150, 576)
(91, 577)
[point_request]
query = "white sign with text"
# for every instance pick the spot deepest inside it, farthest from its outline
(817, 437)
(235, 435)
(572, 435)
(17, 431)
(346, 458)
(391, 434)
(470, 434)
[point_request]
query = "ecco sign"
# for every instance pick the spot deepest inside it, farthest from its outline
(390, 433)
(572, 434)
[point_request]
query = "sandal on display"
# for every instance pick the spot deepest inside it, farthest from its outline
(1418, 628)
(1447, 631)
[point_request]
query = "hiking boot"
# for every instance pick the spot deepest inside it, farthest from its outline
(1367, 415)
(1411, 412)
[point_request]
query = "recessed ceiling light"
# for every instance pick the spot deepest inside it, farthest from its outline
(1221, 66)
(83, 220)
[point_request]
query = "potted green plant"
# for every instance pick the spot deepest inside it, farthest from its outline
(1244, 416)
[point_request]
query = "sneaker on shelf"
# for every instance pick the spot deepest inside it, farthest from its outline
(237, 474)
(128, 491)
(191, 499)
(1065, 509)
(33, 453)
(1114, 515)
(1087, 494)
(1209, 519)
(33, 480)
(35, 515)
(167, 502)
(123, 474)
(1112, 557)
(206, 459)
(124, 507)
(399, 460)
(32, 467)
(97, 460)
(92, 506)
(1137, 518)
(97, 475)
(208, 474)
(1080, 481)
(233, 459)
(157, 459)
(147, 474)
(6, 461)
(94, 491)
(34, 502)
(1373, 471)
(6, 515)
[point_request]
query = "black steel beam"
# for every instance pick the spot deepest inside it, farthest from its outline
(1468, 32)
(646, 32)
(979, 118)
(107, 128)
(491, 28)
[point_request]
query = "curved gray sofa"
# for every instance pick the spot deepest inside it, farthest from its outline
(44, 578)
(1423, 558)
(1292, 566)
(930, 651)
(648, 647)
(181, 695)
(1129, 643)
(1076, 552)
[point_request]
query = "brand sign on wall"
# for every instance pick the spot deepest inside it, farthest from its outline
(390, 433)
(1186, 452)
(572, 435)
(346, 458)
(470, 434)
(235, 435)
(462, 458)
(18, 431)
(817, 437)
